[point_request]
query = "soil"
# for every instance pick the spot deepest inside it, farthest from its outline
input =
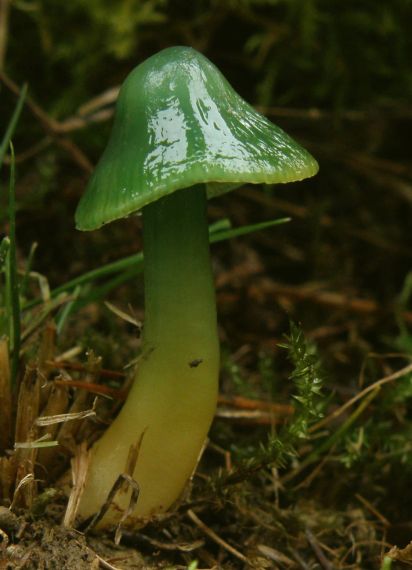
(46, 545)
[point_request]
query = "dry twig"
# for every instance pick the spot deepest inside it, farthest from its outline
(373, 510)
(399, 374)
(215, 537)
(323, 561)
(4, 29)
(316, 294)
(51, 127)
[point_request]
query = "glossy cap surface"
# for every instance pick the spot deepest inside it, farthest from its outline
(178, 123)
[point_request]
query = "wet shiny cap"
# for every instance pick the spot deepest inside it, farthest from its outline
(178, 123)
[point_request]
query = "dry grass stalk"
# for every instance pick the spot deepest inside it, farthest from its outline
(5, 396)
(26, 431)
(80, 464)
(67, 434)
(47, 347)
(56, 405)
(72, 432)
(46, 352)
(8, 476)
(403, 555)
(44, 421)
(87, 428)
(123, 485)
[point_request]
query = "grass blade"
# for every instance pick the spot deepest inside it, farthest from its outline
(66, 310)
(29, 263)
(244, 230)
(130, 266)
(99, 292)
(4, 250)
(13, 123)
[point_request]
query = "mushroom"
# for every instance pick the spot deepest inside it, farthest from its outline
(181, 134)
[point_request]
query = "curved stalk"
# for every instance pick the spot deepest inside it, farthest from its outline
(173, 398)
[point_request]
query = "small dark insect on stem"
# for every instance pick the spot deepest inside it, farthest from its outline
(195, 363)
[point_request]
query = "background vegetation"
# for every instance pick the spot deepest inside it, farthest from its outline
(338, 77)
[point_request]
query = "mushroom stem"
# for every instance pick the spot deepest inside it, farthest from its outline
(173, 398)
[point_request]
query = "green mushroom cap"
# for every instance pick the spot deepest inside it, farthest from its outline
(179, 123)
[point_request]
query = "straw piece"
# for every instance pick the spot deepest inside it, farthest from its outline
(27, 413)
(5, 396)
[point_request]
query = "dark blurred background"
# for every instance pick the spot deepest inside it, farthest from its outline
(335, 75)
